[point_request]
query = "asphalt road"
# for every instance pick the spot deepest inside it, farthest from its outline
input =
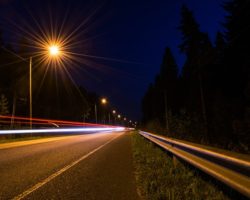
(92, 166)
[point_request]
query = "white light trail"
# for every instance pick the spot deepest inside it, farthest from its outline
(60, 130)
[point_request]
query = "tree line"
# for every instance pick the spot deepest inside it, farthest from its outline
(209, 102)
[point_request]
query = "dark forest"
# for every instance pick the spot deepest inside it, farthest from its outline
(209, 100)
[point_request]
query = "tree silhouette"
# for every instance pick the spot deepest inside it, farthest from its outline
(148, 105)
(162, 97)
(196, 71)
(166, 86)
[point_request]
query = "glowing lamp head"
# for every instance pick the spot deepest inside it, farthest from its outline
(54, 50)
(104, 101)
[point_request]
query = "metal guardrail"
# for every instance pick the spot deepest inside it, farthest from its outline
(232, 171)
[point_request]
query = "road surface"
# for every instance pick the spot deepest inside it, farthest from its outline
(91, 166)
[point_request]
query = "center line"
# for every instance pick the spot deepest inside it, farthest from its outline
(51, 177)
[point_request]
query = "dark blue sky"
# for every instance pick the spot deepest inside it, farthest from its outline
(133, 31)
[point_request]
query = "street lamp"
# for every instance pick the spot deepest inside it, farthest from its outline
(114, 116)
(47, 50)
(103, 101)
(52, 50)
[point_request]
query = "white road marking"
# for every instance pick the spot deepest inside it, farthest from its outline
(51, 177)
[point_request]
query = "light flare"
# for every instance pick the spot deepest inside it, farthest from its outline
(62, 41)
(54, 50)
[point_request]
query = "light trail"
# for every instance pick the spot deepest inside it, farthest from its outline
(61, 130)
(8, 122)
(59, 122)
(42, 123)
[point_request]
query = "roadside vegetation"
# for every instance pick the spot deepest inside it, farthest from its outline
(158, 178)
(205, 100)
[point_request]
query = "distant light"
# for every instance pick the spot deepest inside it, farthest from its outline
(125, 118)
(114, 111)
(103, 100)
(119, 116)
(54, 50)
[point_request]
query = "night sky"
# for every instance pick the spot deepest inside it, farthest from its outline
(129, 36)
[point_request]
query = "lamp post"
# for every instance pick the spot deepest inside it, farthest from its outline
(125, 121)
(114, 112)
(103, 101)
(30, 90)
(95, 114)
(119, 118)
(53, 50)
(109, 119)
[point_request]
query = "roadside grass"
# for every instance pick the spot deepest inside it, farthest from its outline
(158, 178)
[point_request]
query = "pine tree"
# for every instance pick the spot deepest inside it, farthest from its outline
(166, 83)
(190, 32)
(192, 46)
(3, 105)
(162, 97)
(220, 44)
(197, 71)
(148, 105)
(169, 71)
